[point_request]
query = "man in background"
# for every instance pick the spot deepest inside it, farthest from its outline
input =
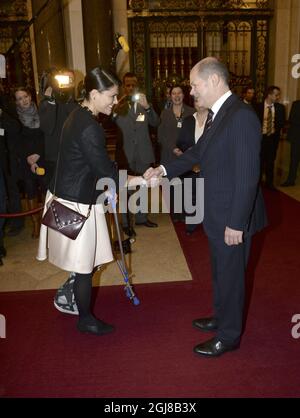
(133, 116)
(272, 117)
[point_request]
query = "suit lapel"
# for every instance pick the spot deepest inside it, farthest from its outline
(208, 137)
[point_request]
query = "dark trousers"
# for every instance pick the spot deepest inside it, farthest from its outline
(128, 218)
(269, 147)
(176, 203)
(295, 160)
(228, 270)
(194, 177)
(14, 200)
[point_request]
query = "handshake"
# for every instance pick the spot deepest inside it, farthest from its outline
(151, 178)
(154, 175)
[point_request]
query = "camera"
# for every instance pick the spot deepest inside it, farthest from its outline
(135, 98)
(62, 83)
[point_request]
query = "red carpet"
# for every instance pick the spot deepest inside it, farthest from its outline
(150, 354)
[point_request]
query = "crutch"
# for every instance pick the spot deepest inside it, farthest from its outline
(121, 263)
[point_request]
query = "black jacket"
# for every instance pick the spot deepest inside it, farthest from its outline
(83, 159)
(52, 118)
(21, 142)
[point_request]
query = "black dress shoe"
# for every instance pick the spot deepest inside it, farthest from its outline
(2, 252)
(287, 184)
(94, 326)
(130, 232)
(148, 224)
(205, 324)
(214, 348)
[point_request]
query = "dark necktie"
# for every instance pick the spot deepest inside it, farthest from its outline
(269, 121)
(209, 121)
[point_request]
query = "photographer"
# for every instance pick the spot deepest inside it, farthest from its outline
(133, 115)
(54, 109)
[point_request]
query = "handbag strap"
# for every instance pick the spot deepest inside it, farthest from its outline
(55, 178)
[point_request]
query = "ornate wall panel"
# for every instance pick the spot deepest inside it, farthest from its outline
(169, 37)
(182, 5)
(13, 19)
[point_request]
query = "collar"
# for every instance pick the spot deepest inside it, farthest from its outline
(219, 103)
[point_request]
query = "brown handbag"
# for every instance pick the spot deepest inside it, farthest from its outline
(64, 220)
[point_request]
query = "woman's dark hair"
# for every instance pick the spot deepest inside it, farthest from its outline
(99, 79)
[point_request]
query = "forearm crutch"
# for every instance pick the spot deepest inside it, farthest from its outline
(121, 263)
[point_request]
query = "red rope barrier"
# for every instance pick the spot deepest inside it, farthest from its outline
(20, 214)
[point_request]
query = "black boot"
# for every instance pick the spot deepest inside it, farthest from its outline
(87, 322)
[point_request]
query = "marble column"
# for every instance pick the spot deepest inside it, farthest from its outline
(294, 81)
(49, 35)
(74, 38)
(98, 33)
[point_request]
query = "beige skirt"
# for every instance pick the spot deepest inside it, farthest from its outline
(91, 248)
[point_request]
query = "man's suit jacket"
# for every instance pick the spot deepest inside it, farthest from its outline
(186, 140)
(294, 121)
(229, 158)
(136, 140)
(279, 117)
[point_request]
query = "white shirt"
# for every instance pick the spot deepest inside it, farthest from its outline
(219, 103)
(215, 108)
(198, 129)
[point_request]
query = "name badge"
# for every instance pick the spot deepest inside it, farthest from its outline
(140, 118)
(2, 132)
(179, 125)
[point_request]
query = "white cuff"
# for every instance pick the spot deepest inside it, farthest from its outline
(164, 170)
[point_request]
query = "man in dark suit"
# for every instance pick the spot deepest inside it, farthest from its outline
(272, 117)
(229, 157)
(294, 138)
